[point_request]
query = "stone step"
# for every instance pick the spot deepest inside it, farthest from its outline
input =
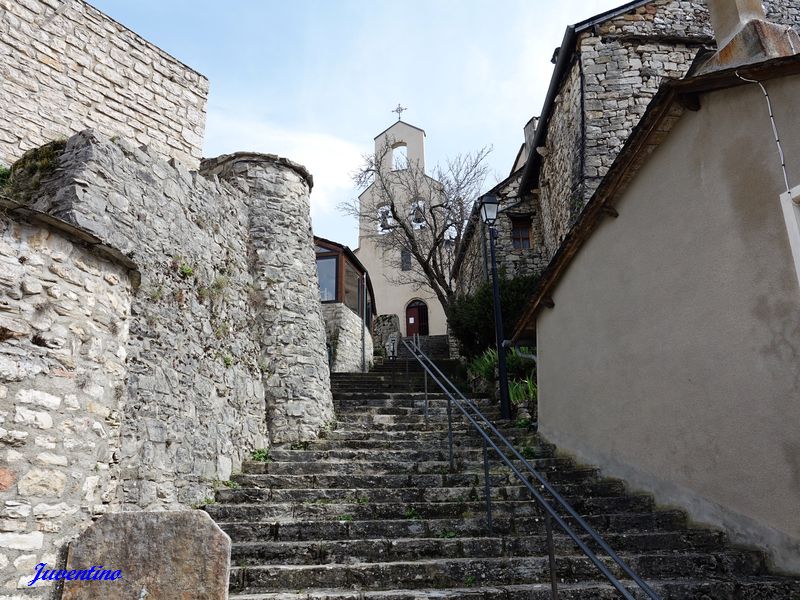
(742, 588)
(448, 546)
(604, 487)
(380, 444)
(467, 479)
(312, 454)
(354, 467)
(418, 510)
(312, 530)
(486, 571)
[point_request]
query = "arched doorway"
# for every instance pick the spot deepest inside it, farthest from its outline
(416, 318)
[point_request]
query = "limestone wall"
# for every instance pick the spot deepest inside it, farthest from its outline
(343, 329)
(65, 66)
(64, 323)
(143, 389)
(288, 313)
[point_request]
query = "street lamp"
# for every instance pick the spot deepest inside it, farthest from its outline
(489, 206)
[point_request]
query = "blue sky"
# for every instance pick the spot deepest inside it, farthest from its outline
(316, 80)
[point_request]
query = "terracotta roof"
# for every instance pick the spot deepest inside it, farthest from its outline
(673, 98)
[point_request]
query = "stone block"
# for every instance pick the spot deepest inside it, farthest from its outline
(164, 555)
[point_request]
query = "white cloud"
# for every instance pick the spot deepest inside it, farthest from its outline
(330, 160)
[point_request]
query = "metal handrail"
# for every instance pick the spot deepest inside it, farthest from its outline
(429, 367)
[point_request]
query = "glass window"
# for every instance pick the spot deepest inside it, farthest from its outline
(352, 288)
(521, 234)
(326, 270)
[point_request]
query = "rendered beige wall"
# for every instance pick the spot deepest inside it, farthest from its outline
(392, 297)
(672, 356)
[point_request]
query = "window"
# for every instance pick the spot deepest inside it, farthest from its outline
(405, 260)
(521, 233)
(326, 271)
(352, 288)
(385, 220)
(417, 214)
(399, 157)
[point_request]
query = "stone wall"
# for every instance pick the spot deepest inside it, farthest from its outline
(343, 329)
(143, 389)
(65, 66)
(384, 326)
(64, 323)
(290, 328)
(617, 69)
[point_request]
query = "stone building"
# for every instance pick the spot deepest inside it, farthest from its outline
(348, 306)
(687, 383)
(607, 70)
(415, 305)
(66, 66)
(157, 323)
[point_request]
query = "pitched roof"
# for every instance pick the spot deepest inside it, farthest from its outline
(395, 123)
(563, 61)
(673, 98)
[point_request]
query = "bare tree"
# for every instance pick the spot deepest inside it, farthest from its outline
(418, 220)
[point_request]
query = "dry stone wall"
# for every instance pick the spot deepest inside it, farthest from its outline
(141, 360)
(65, 66)
(617, 70)
(64, 327)
(343, 329)
(290, 328)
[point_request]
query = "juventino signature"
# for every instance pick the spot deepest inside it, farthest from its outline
(96, 573)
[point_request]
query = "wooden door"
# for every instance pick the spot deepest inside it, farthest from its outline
(417, 318)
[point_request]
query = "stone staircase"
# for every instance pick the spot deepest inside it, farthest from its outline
(372, 511)
(435, 346)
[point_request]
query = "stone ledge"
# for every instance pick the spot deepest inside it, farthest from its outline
(215, 165)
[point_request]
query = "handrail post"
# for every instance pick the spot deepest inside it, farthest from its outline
(450, 431)
(408, 379)
(487, 483)
(552, 558)
(426, 395)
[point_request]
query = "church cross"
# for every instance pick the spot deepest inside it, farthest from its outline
(399, 110)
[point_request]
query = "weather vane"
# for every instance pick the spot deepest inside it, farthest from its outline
(399, 110)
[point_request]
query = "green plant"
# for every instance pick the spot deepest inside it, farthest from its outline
(185, 270)
(483, 366)
(528, 452)
(522, 392)
(204, 502)
(363, 500)
(5, 173)
(470, 580)
(347, 518)
(222, 330)
(260, 455)
(412, 513)
(231, 485)
(447, 534)
(466, 315)
(522, 423)
(156, 293)
(227, 360)
(300, 445)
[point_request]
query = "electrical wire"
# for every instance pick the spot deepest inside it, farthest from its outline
(774, 127)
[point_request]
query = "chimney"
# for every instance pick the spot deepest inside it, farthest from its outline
(745, 36)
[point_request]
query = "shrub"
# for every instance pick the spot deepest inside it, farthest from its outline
(483, 366)
(470, 317)
(522, 391)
